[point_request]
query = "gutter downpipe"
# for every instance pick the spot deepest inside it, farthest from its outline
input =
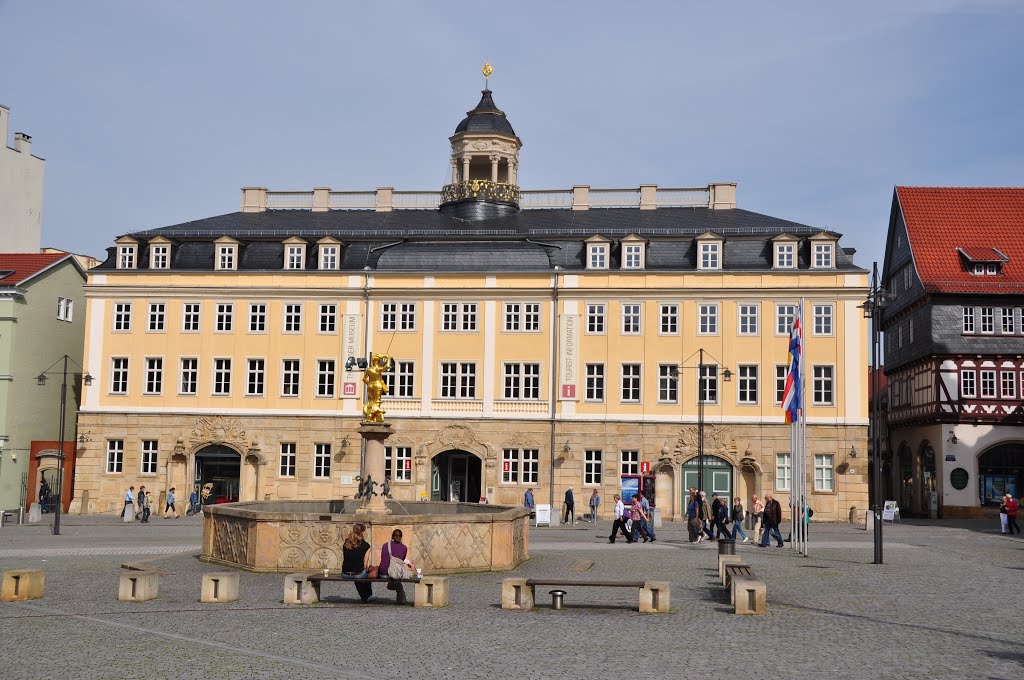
(554, 387)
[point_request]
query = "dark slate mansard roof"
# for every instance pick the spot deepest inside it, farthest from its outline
(530, 240)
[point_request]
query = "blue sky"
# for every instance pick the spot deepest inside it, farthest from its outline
(153, 113)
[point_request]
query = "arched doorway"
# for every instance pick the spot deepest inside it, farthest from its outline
(1000, 472)
(455, 476)
(717, 478)
(906, 478)
(221, 466)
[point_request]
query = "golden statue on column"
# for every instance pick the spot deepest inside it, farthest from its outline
(376, 388)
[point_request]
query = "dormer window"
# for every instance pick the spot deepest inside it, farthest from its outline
(785, 255)
(710, 255)
(983, 261)
(226, 254)
(824, 255)
(159, 256)
(633, 248)
(597, 256)
(295, 257)
(126, 257)
(328, 257)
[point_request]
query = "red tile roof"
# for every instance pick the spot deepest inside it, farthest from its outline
(942, 219)
(25, 265)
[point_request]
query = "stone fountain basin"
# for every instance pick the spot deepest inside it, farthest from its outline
(286, 536)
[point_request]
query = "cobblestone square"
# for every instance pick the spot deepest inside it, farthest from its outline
(946, 604)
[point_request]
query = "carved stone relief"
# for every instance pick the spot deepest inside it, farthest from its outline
(217, 430)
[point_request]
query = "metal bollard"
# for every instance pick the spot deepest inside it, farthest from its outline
(21, 515)
(556, 598)
(3, 518)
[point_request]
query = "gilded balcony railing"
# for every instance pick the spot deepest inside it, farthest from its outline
(480, 190)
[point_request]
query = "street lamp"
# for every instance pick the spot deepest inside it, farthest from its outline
(41, 380)
(702, 389)
(877, 300)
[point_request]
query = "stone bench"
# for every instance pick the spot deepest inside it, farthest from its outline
(218, 587)
(22, 584)
(519, 593)
(735, 569)
(430, 591)
(138, 586)
(724, 560)
(748, 595)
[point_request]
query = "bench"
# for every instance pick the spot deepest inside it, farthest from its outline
(733, 570)
(519, 593)
(430, 591)
(747, 593)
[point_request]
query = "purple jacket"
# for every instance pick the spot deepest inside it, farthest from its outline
(398, 550)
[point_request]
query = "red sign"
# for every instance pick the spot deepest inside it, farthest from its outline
(568, 391)
(506, 466)
(350, 389)
(645, 468)
(408, 464)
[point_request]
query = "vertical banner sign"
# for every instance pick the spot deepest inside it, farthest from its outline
(350, 343)
(569, 356)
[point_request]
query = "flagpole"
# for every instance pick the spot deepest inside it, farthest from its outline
(803, 435)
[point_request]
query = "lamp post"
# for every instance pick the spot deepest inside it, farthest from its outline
(702, 389)
(877, 300)
(41, 380)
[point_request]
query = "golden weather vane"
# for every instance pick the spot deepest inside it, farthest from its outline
(487, 70)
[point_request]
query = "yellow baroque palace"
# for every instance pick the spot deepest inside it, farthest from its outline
(541, 339)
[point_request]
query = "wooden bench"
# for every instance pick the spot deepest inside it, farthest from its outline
(735, 569)
(430, 591)
(519, 593)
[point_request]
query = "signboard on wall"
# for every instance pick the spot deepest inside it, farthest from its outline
(350, 345)
(569, 356)
(645, 468)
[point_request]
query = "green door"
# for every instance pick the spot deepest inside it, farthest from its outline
(717, 478)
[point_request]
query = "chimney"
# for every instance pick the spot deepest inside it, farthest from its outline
(5, 121)
(22, 143)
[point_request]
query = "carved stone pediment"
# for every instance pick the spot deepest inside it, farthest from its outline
(217, 430)
(520, 440)
(717, 440)
(456, 436)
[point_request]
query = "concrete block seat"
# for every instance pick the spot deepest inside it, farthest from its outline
(138, 586)
(748, 595)
(218, 587)
(519, 593)
(430, 591)
(22, 584)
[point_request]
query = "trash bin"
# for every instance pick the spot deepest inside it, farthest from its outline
(726, 546)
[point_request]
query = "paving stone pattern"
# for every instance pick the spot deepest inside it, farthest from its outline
(947, 604)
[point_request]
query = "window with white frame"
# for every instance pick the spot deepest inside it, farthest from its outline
(289, 377)
(122, 317)
(746, 383)
(785, 316)
(522, 381)
(823, 255)
(988, 384)
(329, 318)
(157, 316)
(222, 376)
(325, 377)
(126, 257)
(189, 376)
(710, 255)
(149, 455)
(988, 320)
(1008, 385)
(598, 256)
(257, 317)
(748, 318)
(968, 319)
(824, 472)
(823, 385)
(823, 319)
(629, 462)
(1006, 320)
(398, 463)
(389, 316)
(405, 377)
(456, 317)
(321, 461)
(707, 389)
(522, 317)
(668, 383)
(293, 318)
(154, 375)
(407, 316)
(295, 257)
(595, 382)
(458, 380)
(226, 257)
(631, 382)
(287, 467)
(159, 257)
(781, 371)
(633, 256)
(595, 318)
(190, 317)
(119, 375)
(669, 319)
(707, 319)
(328, 258)
(630, 319)
(65, 309)
(255, 377)
(785, 255)
(510, 466)
(783, 472)
(530, 465)
(592, 461)
(968, 384)
(225, 317)
(115, 456)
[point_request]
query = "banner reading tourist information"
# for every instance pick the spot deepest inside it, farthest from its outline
(569, 368)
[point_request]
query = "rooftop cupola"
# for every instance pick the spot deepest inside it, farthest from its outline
(484, 163)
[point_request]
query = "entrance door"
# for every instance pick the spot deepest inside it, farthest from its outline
(1000, 472)
(455, 476)
(717, 478)
(220, 466)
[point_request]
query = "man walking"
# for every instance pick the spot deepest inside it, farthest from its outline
(129, 503)
(528, 501)
(595, 502)
(706, 518)
(619, 523)
(772, 520)
(144, 504)
(570, 506)
(646, 521)
(693, 518)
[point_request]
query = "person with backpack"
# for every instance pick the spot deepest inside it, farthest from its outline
(395, 565)
(808, 514)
